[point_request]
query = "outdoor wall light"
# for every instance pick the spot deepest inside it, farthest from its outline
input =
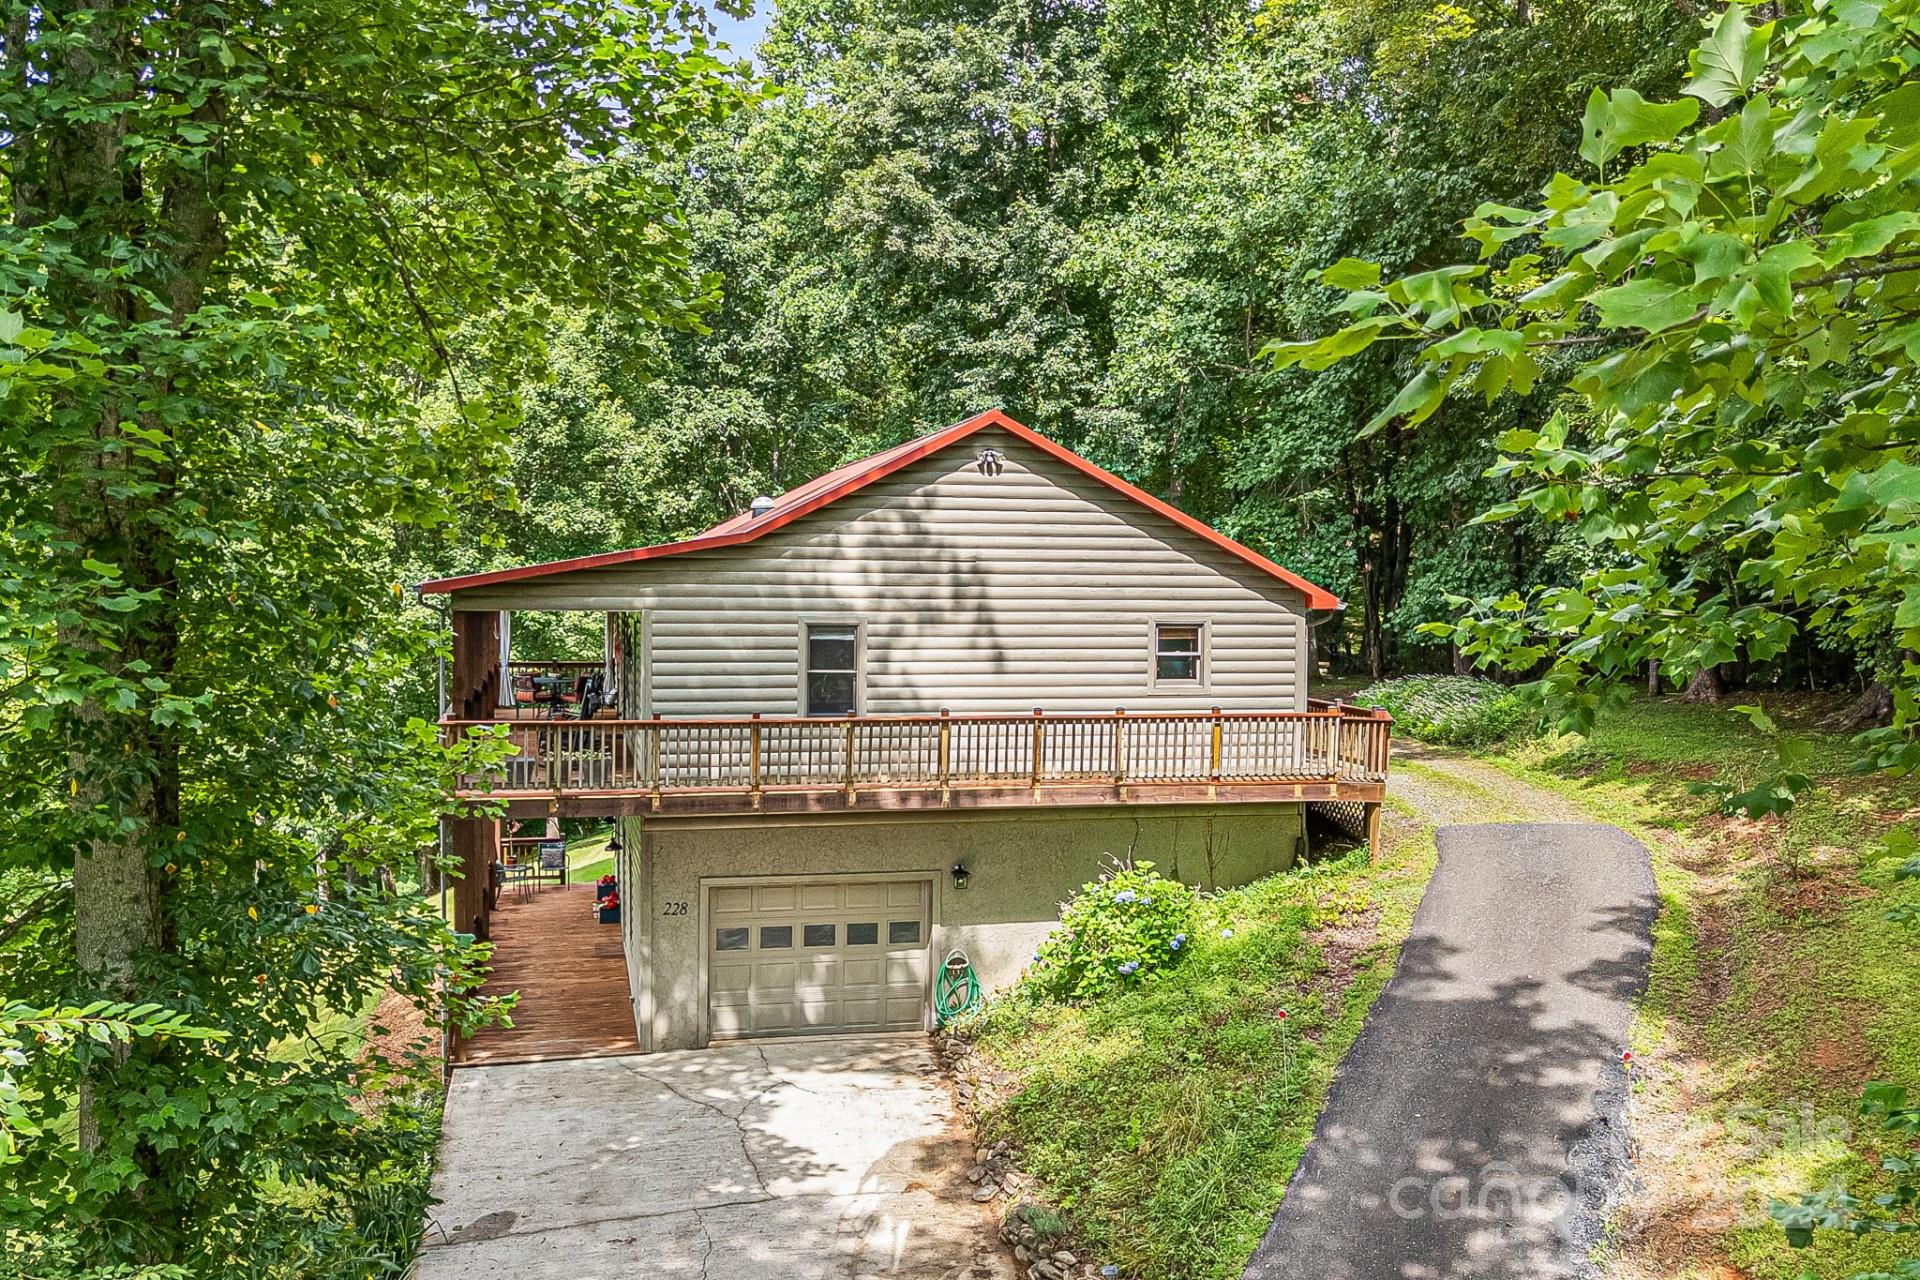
(961, 875)
(614, 845)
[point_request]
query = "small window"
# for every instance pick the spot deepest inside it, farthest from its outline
(833, 669)
(775, 937)
(818, 935)
(730, 939)
(903, 931)
(1176, 653)
(863, 935)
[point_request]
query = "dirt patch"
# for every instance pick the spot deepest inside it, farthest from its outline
(401, 1039)
(1677, 773)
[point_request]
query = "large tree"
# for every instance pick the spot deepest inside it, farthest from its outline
(1725, 289)
(238, 239)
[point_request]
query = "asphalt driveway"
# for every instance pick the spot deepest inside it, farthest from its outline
(809, 1158)
(1477, 1127)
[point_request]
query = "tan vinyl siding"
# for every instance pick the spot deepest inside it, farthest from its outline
(1037, 587)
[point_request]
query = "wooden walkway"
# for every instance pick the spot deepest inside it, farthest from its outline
(571, 977)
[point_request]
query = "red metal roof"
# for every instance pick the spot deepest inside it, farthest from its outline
(836, 484)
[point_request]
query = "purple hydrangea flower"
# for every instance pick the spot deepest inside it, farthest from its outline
(1126, 895)
(1129, 966)
(1179, 940)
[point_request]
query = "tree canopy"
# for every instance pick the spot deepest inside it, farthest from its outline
(240, 241)
(1735, 274)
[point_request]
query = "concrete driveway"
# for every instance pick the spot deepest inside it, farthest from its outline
(837, 1156)
(1478, 1127)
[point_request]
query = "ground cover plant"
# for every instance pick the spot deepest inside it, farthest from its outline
(1781, 988)
(1162, 1114)
(1453, 710)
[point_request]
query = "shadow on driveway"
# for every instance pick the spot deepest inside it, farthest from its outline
(1478, 1125)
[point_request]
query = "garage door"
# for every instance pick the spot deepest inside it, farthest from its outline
(792, 958)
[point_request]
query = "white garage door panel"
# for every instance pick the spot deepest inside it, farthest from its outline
(821, 956)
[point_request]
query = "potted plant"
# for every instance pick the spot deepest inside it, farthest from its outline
(604, 886)
(609, 909)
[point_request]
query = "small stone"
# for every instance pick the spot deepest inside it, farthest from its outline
(1044, 1271)
(1021, 1254)
(985, 1192)
(976, 1173)
(1064, 1258)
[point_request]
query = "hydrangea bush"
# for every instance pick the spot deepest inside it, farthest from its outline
(1453, 710)
(1115, 932)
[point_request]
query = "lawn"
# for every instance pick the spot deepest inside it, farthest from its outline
(1779, 986)
(588, 859)
(1163, 1122)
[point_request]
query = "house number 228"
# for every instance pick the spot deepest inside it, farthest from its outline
(673, 909)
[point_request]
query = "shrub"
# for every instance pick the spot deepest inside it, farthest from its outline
(1114, 933)
(1453, 710)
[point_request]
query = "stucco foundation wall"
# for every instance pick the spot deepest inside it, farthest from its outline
(1022, 865)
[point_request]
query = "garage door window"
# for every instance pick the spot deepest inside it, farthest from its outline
(903, 931)
(819, 935)
(863, 935)
(730, 939)
(773, 937)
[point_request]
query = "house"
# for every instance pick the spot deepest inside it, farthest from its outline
(903, 709)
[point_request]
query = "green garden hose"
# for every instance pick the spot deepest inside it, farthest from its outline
(957, 990)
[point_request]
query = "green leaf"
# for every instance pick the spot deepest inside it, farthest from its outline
(1653, 305)
(1728, 62)
(1624, 119)
(11, 323)
(1351, 274)
(1415, 403)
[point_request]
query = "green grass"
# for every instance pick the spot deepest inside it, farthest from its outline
(1778, 985)
(588, 859)
(1163, 1122)
(1454, 710)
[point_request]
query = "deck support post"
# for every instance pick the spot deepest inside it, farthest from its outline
(476, 846)
(946, 758)
(1213, 755)
(1039, 748)
(850, 718)
(753, 760)
(1373, 830)
(1119, 747)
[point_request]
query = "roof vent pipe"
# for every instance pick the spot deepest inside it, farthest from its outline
(760, 506)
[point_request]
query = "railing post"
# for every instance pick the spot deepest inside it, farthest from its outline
(946, 757)
(753, 758)
(849, 757)
(1119, 746)
(1039, 746)
(1333, 749)
(654, 732)
(1213, 754)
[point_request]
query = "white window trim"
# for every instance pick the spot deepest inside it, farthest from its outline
(1203, 668)
(859, 626)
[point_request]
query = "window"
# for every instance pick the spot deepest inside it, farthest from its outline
(833, 669)
(819, 935)
(903, 931)
(730, 939)
(1176, 653)
(863, 935)
(774, 937)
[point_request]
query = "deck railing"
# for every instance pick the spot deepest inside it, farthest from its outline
(754, 754)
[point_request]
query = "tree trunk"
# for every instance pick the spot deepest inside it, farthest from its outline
(1462, 665)
(1653, 677)
(1705, 686)
(1872, 709)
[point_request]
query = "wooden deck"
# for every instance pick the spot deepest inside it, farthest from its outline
(571, 978)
